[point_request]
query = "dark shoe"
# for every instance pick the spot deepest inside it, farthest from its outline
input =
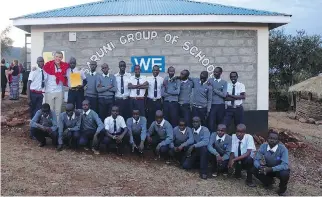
(42, 144)
(59, 147)
(203, 176)
(268, 187)
(238, 176)
(250, 184)
(281, 193)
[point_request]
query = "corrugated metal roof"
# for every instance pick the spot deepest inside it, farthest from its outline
(148, 7)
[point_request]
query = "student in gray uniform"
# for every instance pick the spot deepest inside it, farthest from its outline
(137, 131)
(44, 124)
(219, 148)
(90, 88)
(201, 97)
(91, 128)
(271, 161)
(198, 150)
(219, 92)
(185, 97)
(182, 139)
(170, 93)
(106, 88)
(69, 127)
(160, 135)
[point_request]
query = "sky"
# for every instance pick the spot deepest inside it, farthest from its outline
(304, 12)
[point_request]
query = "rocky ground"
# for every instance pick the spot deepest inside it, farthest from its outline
(29, 170)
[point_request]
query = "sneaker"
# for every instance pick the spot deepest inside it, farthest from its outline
(281, 193)
(215, 174)
(203, 176)
(42, 144)
(96, 152)
(168, 162)
(86, 148)
(250, 184)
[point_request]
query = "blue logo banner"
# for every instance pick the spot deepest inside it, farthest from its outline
(147, 62)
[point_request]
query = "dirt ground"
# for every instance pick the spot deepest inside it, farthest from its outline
(29, 170)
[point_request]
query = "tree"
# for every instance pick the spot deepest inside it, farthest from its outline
(6, 41)
(292, 59)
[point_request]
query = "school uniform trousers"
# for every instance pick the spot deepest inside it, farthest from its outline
(76, 97)
(41, 135)
(138, 103)
(171, 112)
(36, 100)
(108, 141)
(200, 154)
(179, 156)
(124, 104)
(104, 106)
(185, 113)
(236, 113)
(152, 106)
(93, 101)
(163, 149)
(201, 112)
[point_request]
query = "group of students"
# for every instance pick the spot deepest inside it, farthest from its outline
(227, 154)
(187, 118)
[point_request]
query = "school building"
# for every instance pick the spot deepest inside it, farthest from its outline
(181, 33)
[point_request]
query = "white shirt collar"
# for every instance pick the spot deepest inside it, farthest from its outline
(162, 123)
(185, 81)
(222, 138)
(169, 79)
(108, 75)
(137, 77)
(197, 131)
(134, 121)
(184, 131)
(92, 73)
(272, 149)
(125, 74)
(217, 79)
(73, 116)
(87, 112)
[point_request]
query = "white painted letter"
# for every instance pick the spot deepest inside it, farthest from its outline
(130, 37)
(210, 68)
(200, 56)
(95, 58)
(175, 39)
(157, 62)
(138, 35)
(100, 55)
(146, 35)
(108, 47)
(205, 62)
(154, 34)
(122, 40)
(191, 50)
(167, 38)
(186, 46)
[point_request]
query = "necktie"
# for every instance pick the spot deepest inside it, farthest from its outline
(70, 118)
(136, 122)
(92, 74)
(114, 125)
(122, 85)
(233, 93)
(272, 152)
(155, 88)
(239, 149)
(138, 90)
(219, 140)
(42, 79)
(85, 115)
(71, 70)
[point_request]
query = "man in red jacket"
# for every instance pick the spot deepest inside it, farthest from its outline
(55, 80)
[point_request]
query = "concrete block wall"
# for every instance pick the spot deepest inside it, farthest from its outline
(233, 50)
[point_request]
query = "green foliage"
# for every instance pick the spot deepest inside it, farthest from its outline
(6, 41)
(293, 58)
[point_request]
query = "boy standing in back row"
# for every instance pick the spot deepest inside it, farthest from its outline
(106, 88)
(90, 88)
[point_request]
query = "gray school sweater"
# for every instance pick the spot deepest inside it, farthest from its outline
(91, 85)
(185, 92)
(202, 94)
(179, 138)
(65, 123)
(201, 139)
(222, 148)
(170, 89)
(219, 90)
(164, 132)
(277, 160)
(105, 91)
(91, 122)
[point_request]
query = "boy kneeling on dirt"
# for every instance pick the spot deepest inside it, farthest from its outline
(69, 127)
(241, 156)
(182, 139)
(137, 131)
(198, 150)
(160, 135)
(91, 128)
(44, 124)
(271, 161)
(115, 131)
(219, 148)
